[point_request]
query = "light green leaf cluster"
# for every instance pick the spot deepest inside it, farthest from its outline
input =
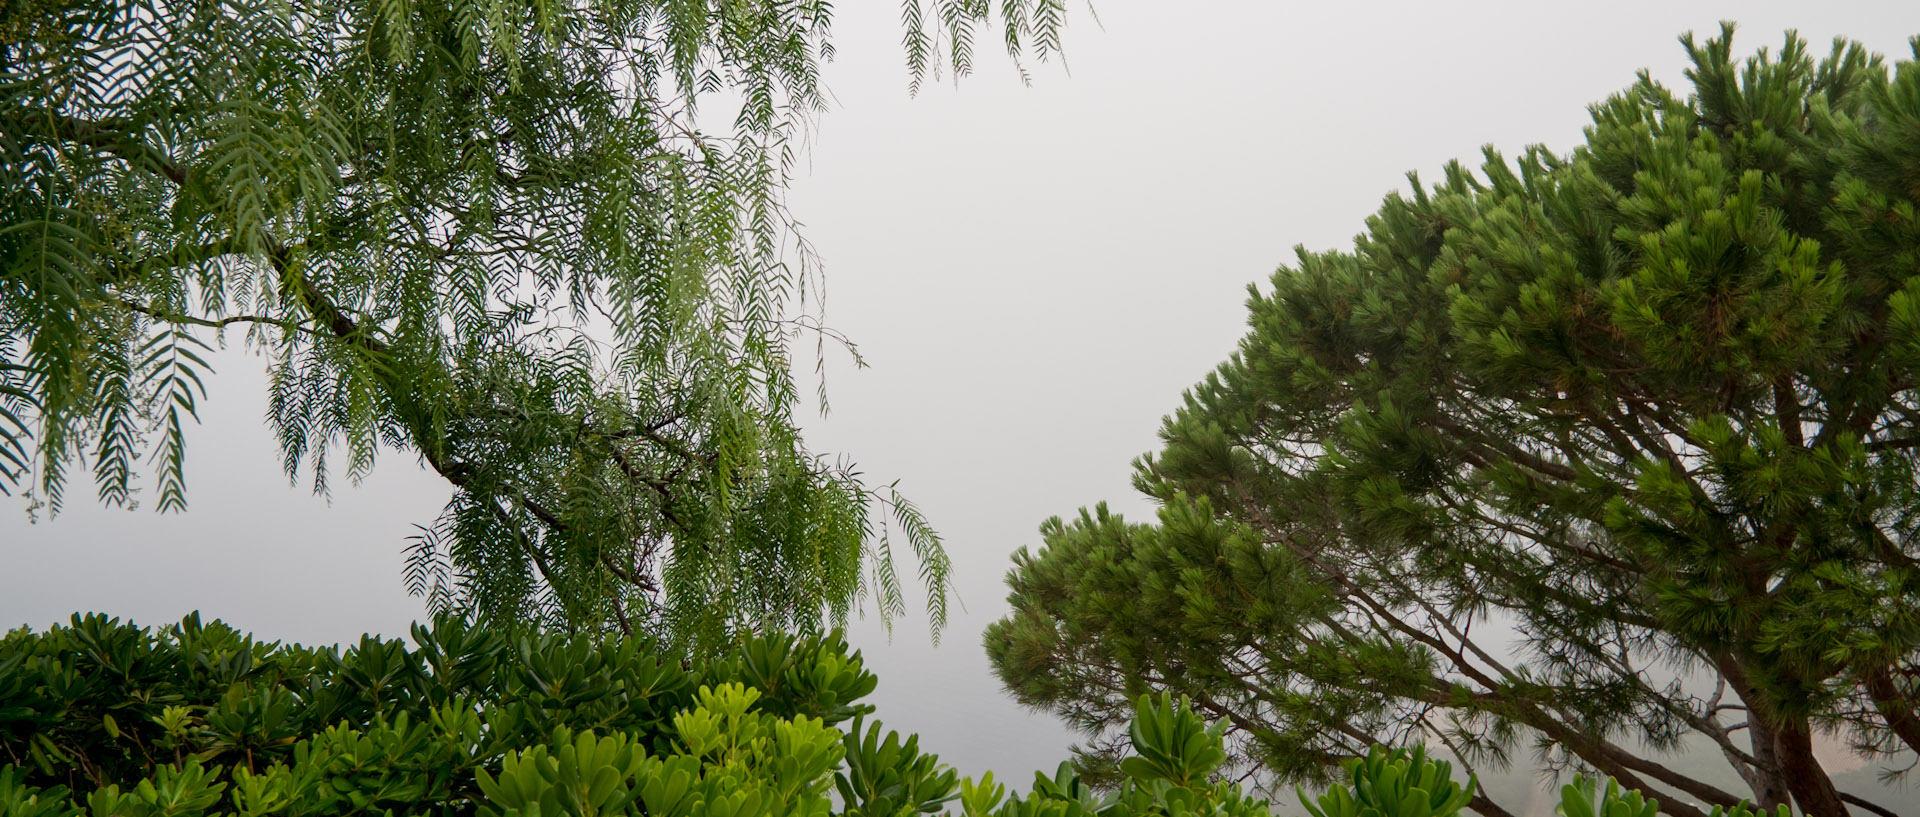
(1171, 774)
(1585, 797)
(1172, 744)
(1397, 783)
(736, 764)
(1749, 810)
(891, 777)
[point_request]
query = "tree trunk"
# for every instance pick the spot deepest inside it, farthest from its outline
(1897, 708)
(1486, 807)
(1764, 777)
(1811, 787)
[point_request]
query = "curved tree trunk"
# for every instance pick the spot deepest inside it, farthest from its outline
(1764, 777)
(1896, 707)
(1811, 787)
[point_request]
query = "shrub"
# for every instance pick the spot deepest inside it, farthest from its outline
(107, 719)
(103, 717)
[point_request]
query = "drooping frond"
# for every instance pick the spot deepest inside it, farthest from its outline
(495, 236)
(1027, 28)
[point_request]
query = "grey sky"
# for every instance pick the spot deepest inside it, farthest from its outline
(1034, 273)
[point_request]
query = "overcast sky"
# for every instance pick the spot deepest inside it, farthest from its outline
(1033, 273)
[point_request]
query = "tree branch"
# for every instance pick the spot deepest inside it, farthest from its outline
(1868, 805)
(218, 323)
(1897, 708)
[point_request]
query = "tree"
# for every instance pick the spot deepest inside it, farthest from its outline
(1610, 453)
(493, 235)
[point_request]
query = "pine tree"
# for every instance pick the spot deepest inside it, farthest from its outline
(1607, 454)
(492, 235)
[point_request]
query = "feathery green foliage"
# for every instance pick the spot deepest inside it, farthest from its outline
(1609, 455)
(496, 236)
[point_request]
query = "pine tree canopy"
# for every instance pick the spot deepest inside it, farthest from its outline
(1606, 456)
(497, 236)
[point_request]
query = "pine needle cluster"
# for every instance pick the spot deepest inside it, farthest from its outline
(1607, 457)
